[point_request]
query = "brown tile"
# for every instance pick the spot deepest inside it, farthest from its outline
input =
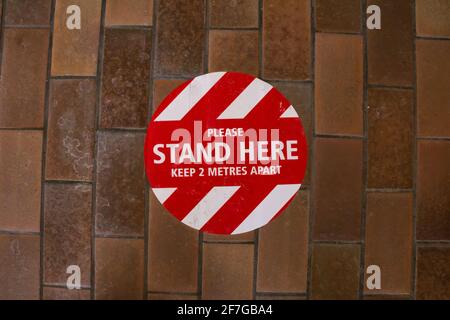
(28, 12)
(75, 51)
(131, 12)
(338, 15)
(339, 84)
(120, 184)
(390, 142)
(162, 88)
(125, 80)
(389, 240)
(119, 269)
(51, 293)
(335, 272)
(283, 250)
(24, 72)
(390, 50)
(70, 130)
(287, 39)
(181, 37)
(337, 189)
(433, 93)
(433, 273)
(433, 18)
(233, 51)
(20, 180)
(280, 297)
(19, 265)
(173, 252)
(171, 296)
(433, 185)
(227, 271)
(386, 297)
(67, 232)
(248, 236)
(233, 14)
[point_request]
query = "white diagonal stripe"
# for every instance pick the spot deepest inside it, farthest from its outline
(189, 97)
(247, 100)
(290, 113)
(208, 206)
(268, 208)
(162, 194)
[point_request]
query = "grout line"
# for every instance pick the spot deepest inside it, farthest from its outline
(338, 136)
(338, 242)
(432, 138)
(19, 233)
(388, 190)
(26, 26)
(431, 243)
(229, 241)
(129, 27)
(432, 38)
(387, 86)
(2, 33)
(173, 293)
(281, 294)
(61, 286)
(348, 33)
(122, 130)
(49, 181)
(21, 129)
(118, 236)
(72, 77)
(234, 29)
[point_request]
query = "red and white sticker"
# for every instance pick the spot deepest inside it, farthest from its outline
(225, 153)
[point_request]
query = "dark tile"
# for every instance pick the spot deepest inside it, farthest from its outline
(19, 265)
(433, 185)
(335, 272)
(24, 72)
(338, 15)
(131, 12)
(433, 273)
(120, 184)
(283, 250)
(390, 141)
(337, 189)
(287, 39)
(162, 88)
(67, 232)
(433, 93)
(248, 236)
(280, 297)
(20, 180)
(233, 14)
(119, 269)
(71, 130)
(181, 37)
(28, 12)
(51, 293)
(390, 50)
(389, 240)
(386, 297)
(433, 18)
(171, 296)
(125, 79)
(339, 84)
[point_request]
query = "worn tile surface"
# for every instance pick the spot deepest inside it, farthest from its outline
(28, 12)
(131, 12)
(52, 293)
(233, 14)
(338, 16)
(433, 18)
(433, 273)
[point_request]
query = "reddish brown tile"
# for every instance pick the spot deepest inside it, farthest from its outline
(70, 130)
(171, 296)
(119, 269)
(390, 141)
(28, 12)
(227, 271)
(24, 72)
(338, 15)
(51, 293)
(433, 92)
(386, 297)
(233, 14)
(131, 12)
(19, 265)
(75, 51)
(390, 50)
(335, 272)
(162, 88)
(287, 39)
(233, 51)
(280, 297)
(283, 250)
(337, 189)
(125, 80)
(339, 84)
(248, 236)
(181, 37)
(20, 180)
(67, 232)
(120, 184)
(433, 273)
(433, 18)
(433, 185)
(389, 240)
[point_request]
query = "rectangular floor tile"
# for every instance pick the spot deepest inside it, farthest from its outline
(389, 240)
(338, 15)
(287, 39)
(227, 271)
(70, 130)
(75, 51)
(171, 296)
(131, 12)
(390, 145)
(181, 37)
(339, 84)
(119, 269)
(28, 12)
(20, 180)
(52, 293)
(162, 88)
(247, 237)
(67, 232)
(433, 18)
(233, 14)
(433, 273)
(283, 250)
(337, 189)
(433, 185)
(19, 265)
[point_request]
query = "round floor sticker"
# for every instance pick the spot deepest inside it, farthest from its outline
(225, 153)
